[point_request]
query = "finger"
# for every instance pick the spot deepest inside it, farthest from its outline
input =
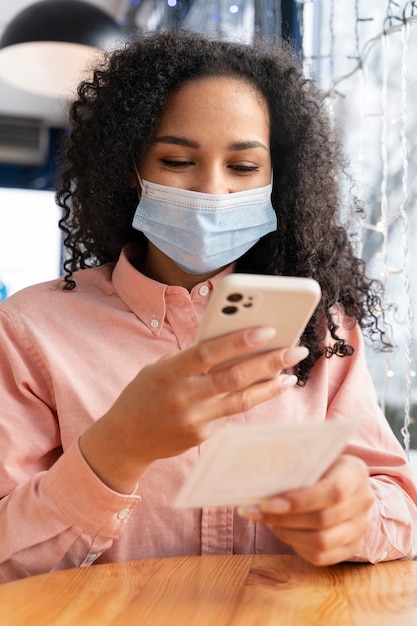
(255, 369)
(347, 476)
(320, 541)
(318, 510)
(248, 383)
(245, 399)
(355, 507)
(220, 406)
(322, 546)
(339, 554)
(202, 358)
(330, 545)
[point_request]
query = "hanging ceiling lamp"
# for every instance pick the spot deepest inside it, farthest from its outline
(46, 47)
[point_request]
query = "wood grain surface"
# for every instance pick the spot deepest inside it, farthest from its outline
(239, 590)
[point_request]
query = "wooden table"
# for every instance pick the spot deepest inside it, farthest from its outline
(239, 590)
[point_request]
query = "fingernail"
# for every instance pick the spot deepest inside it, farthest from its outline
(275, 505)
(259, 335)
(251, 511)
(295, 355)
(288, 381)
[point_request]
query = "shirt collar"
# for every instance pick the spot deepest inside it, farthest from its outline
(147, 298)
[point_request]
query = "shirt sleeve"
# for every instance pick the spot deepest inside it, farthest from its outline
(55, 513)
(393, 533)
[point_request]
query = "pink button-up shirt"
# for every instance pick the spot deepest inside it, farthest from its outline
(65, 357)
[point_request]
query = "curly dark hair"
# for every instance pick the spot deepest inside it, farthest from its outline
(113, 123)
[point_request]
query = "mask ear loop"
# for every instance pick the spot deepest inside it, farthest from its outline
(138, 177)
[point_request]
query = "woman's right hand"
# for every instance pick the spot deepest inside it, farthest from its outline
(169, 406)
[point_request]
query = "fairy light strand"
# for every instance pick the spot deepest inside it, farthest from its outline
(405, 236)
(381, 225)
(331, 91)
(399, 18)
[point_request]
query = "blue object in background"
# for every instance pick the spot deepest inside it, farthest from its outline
(3, 291)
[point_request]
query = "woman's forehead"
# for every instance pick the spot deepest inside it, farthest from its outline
(229, 102)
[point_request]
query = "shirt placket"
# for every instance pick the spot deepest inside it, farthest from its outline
(217, 530)
(216, 523)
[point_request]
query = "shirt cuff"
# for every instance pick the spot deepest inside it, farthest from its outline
(84, 499)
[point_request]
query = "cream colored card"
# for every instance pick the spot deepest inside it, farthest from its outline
(242, 464)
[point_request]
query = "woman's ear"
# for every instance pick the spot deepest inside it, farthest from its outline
(133, 182)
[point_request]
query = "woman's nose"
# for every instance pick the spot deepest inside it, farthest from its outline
(212, 181)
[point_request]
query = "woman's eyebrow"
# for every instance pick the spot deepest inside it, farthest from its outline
(245, 145)
(190, 143)
(179, 141)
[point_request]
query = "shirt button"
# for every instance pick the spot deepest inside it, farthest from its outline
(123, 513)
(203, 291)
(383, 556)
(91, 558)
(154, 323)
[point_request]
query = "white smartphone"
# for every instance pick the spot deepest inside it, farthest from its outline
(242, 301)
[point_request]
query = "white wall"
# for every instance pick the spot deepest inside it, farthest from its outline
(30, 240)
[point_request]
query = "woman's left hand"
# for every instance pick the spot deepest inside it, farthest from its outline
(325, 523)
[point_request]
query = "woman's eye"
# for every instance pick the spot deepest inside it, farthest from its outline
(176, 163)
(245, 168)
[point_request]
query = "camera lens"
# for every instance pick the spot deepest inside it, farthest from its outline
(229, 310)
(235, 297)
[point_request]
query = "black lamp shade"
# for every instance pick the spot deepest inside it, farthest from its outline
(73, 21)
(48, 46)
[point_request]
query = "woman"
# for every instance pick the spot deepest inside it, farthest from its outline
(106, 402)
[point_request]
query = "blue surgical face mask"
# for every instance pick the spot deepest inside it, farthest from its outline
(203, 232)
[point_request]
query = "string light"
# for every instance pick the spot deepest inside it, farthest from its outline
(382, 224)
(405, 34)
(392, 223)
(395, 27)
